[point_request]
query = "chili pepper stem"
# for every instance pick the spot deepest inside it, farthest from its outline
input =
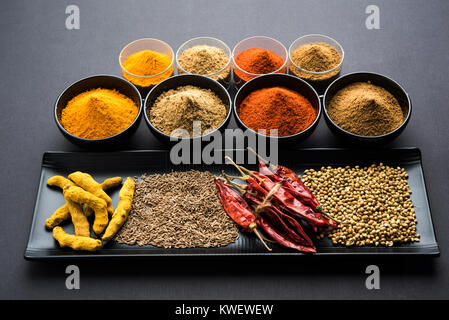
(273, 167)
(254, 229)
(320, 210)
(266, 202)
(244, 176)
(241, 188)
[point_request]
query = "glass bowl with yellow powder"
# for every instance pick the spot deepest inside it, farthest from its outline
(146, 62)
(99, 111)
(205, 56)
(317, 59)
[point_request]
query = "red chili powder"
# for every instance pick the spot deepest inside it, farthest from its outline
(277, 108)
(257, 61)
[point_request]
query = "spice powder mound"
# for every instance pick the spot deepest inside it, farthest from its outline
(175, 111)
(277, 108)
(365, 109)
(177, 210)
(205, 60)
(98, 113)
(316, 57)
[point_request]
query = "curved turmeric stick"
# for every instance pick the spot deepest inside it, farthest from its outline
(60, 215)
(60, 181)
(121, 212)
(86, 182)
(106, 185)
(75, 242)
(80, 196)
(79, 220)
(111, 183)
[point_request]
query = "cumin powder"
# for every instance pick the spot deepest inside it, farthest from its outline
(365, 109)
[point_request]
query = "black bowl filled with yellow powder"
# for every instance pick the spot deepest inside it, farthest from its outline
(187, 107)
(98, 111)
(366, 107)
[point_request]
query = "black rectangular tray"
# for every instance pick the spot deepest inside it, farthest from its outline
(41, 244)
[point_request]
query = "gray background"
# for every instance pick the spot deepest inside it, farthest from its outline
(39, 58)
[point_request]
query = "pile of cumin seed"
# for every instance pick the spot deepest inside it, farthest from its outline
(177, 210)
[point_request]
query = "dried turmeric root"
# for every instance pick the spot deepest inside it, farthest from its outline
(60, 215)
(60, 181)
(86, 182)
(63, 213)
(80, 196)
(121, 212)
(75, 242)
(111, 183)
(106, 185)
(79, 220)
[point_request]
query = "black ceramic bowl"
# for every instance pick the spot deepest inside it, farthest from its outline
(286, 81)
(93, 82)
(379, 80)
(179, 81)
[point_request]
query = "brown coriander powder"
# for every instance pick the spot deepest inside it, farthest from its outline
(316, 57)
(365, 109)
(177, 109)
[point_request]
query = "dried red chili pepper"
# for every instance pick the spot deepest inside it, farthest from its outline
(297, 187)
(293, 229)
(293, 183)
(280, 238)
(238, 209)
(283, 196)
(293, 204)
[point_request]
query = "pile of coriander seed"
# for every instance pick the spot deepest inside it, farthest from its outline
(372, 203)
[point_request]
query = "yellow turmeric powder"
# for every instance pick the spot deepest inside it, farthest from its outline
(141, 66)
(98, 113)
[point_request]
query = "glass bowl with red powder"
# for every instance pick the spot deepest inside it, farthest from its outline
(257, 56)
(278, 106)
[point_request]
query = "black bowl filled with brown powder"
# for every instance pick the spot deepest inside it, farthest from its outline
(187, 107)
(366, 107)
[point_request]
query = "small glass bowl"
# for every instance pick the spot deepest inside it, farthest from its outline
(314, 77)
(224, 75)
(146, 82)
(242, 76)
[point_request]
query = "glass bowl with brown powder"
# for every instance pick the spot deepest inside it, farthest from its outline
(187, 106)
(366, 107)
(315, 58)
(205, 56)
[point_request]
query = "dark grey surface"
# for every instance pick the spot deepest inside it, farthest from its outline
(40, 58)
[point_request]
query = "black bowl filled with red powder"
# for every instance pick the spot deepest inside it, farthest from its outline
(286, 107)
